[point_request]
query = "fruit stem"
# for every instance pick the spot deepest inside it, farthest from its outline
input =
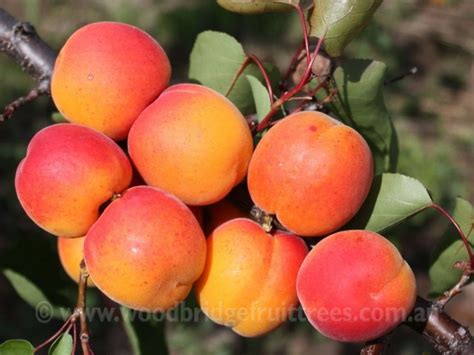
(459, 230)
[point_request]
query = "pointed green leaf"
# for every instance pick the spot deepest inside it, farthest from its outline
(62, 345)
(392, 198)
(260, 96)
(249, 7)
(146, 334)
(341, 21)
(216, 59)
(450, 249)
(32, 295)
(359, 102)
(16, 347)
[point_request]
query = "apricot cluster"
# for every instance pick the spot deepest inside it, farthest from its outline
(136, 216)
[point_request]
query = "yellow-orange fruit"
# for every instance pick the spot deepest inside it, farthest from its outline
(355, 286)
(192, 142)
(106, 74)
(312, 171)
(69, 171)
(71, 253)
(249, 281)
(146, 250)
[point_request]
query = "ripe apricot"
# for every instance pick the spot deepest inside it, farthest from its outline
(193, 142)
(312, 171)
(249, 281)
(146, 250)
(69, 171)
(106, 74)
(71, 253)
(355, 286)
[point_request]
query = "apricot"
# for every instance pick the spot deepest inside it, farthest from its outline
(69, 171)
(355, 286)
(312, 172)
(249, 281)
(71, 253)
(221, 212)
(146, 250)
(106, 74)
(193, 142)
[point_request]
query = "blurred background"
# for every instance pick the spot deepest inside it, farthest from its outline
(432, 112)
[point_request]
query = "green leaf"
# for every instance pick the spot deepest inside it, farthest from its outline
(341, 21)
(260, 96)
(16, 347)
(250, 7)
(392, 198)
(450, 249)
(145, 332)
(359, 102)
(62, 345)
(216, 59)
(32, 295)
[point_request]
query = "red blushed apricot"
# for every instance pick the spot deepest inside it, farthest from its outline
(249, 281)
(312, 171)
(69, 171)
(193, 142)
(146, 250)
(221, 212)
(106, 74)
(355, 286)
(71, 253)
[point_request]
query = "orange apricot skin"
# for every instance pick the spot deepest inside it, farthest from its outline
(312, 171)
(69, 171)
(249, 281)
(146, 250)
(354, 286)
(71, 253)
(193, 142)
(106, 74)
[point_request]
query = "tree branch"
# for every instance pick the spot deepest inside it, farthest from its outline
(20, 41)
(445, 334)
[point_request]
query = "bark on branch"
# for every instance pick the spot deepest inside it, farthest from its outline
(20, 41)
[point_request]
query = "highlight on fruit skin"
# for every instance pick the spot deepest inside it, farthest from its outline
(68, 172)
(146, 250)
(249, 281)
(312, 172)
(106, 74)
(193, 142)
(354, 286)
(71, 254)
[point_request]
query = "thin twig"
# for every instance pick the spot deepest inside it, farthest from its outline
(467, 272)
(252, 58)
(297, 88)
